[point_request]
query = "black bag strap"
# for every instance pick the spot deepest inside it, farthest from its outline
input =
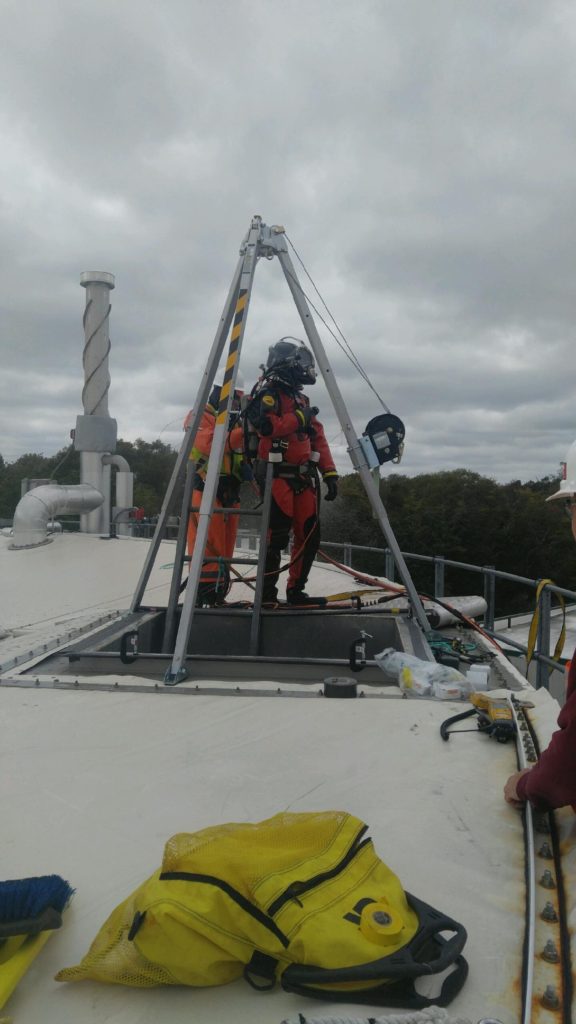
(260, 972)
(427, 953)
(395, 994)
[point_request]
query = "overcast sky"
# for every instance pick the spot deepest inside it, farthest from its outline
(421, 154)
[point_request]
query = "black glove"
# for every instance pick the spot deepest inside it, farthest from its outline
(331, 482)
(228, 492)
(304, 414)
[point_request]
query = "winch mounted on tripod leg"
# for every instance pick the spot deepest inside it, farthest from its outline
(385, 434)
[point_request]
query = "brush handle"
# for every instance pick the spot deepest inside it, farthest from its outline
(16, 967)
(9, 946)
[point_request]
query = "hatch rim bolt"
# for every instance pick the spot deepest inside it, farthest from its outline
(550, 953)
(547, 881)
(550, 1000)
(549, 913)
(545, 852)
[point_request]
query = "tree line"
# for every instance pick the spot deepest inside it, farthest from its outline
(464, 517)
(151, 462)
(458, 514)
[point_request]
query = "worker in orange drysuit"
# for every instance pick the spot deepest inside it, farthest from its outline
(286, 425)
(215, 576)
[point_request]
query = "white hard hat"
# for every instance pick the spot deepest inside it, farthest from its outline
(568, 482)
(240, 386)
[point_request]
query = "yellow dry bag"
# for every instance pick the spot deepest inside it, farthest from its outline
(299, 898)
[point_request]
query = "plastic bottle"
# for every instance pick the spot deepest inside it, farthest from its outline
(419, 678)
(477, 678)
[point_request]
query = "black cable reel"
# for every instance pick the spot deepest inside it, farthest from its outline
(386, 433)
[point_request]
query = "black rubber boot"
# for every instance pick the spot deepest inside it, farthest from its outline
(206, 596)
(299, 597)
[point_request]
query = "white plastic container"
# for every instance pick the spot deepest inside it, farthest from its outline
(448, 691)
(477, 678)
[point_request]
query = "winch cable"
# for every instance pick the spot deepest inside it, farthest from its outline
(350, 354)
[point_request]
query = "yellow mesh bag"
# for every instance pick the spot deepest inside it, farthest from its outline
(300, 898)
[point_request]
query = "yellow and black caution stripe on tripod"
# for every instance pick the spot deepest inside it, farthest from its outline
(232, 355)
(533, 631)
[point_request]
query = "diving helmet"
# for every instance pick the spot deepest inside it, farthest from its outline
(292, 362)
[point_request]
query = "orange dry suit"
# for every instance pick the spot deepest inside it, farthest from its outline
(285, 423)
(215, 576)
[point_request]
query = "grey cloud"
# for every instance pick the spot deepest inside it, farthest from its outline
(420, 155)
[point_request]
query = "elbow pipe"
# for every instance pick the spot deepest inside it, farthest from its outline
(116, 460)
(124, 494)
(41, 504)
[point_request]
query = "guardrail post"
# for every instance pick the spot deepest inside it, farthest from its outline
(389, 565)
(489, 595)
(543, 641)
(347, 554)
(439, 571)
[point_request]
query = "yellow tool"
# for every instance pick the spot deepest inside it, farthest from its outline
(495, 718)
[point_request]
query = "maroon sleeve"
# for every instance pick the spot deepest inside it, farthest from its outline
(552, 782)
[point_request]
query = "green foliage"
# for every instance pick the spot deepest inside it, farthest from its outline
(64, 467)
(151, 462)
(465, 518)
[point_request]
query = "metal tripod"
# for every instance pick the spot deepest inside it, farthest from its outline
(261, 241)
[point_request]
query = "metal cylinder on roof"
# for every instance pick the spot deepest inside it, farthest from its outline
(96, 430)
(98, 285)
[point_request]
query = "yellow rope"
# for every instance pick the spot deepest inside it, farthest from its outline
(533, 631)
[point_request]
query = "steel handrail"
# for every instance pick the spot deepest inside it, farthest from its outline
(484, 569)
(544, 663)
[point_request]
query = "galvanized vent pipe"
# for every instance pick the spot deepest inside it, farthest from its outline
(38, 506)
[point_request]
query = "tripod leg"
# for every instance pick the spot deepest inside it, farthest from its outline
(168, 640)
(257, 607)
(186, 447)
(177, 670)
(357, 458)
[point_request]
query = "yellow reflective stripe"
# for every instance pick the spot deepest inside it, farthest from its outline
(232, 356)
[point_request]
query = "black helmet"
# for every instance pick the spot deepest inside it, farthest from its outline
(292, 362)
(214, 399)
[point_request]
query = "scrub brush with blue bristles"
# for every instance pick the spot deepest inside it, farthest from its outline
(30, 910)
